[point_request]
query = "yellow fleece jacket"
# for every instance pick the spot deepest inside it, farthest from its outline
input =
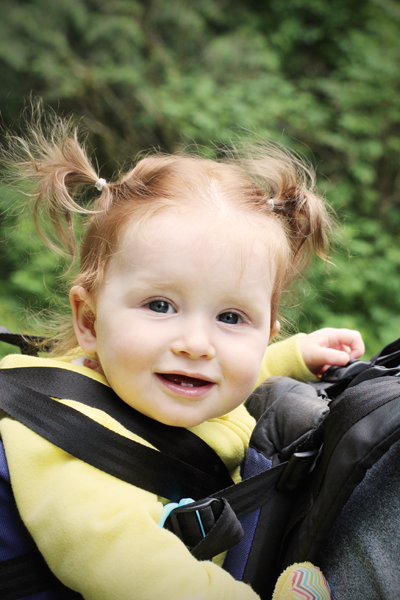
(100, 535)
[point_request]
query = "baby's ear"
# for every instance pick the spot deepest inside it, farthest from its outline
(275, 329)
(83, 318)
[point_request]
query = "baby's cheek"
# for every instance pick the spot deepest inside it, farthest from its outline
(244, 373)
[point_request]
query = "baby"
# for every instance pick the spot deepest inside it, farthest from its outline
(183, 264)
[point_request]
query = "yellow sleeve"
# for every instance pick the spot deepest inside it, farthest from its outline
(285, 359)
(99, 534)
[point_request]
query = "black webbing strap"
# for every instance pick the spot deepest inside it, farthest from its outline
(25, 575)
(250, 494)
(102, 448)
(135, 463)
(126, 459)
(29, 574)
(238, 500)
(173, 441)
(389, 356)
(26, 343)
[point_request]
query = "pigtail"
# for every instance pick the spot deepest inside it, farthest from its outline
(307, 222)
(283, 187)
(50, 163)
(286, 189)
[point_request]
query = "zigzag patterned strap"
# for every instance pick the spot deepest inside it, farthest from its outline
(302, 581)
(308, 583)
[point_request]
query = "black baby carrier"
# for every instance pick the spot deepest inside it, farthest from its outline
(311, 447)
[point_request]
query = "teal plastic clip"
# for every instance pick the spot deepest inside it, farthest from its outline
(168, 508)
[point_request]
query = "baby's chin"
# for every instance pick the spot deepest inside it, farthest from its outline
(185, 423)
(183, 420)
(179, 415)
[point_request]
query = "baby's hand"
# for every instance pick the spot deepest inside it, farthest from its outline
(330, 346)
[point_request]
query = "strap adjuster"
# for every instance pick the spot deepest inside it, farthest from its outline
(298, 467)
(191, 522)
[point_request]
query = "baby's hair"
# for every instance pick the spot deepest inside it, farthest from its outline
(263, 179)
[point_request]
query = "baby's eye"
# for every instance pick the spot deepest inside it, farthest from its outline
(230, 317)
(160, 306)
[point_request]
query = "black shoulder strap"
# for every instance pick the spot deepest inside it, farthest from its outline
(172, 441)
(26, 343)
(126, 459)
(100, 447)
(162, 474)
(29, 575)
(363, 423)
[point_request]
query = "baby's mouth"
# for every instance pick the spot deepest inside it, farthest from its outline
(185, 386)
(183, 380)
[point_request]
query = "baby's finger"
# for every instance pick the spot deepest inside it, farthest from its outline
(356, 345)
(350, 341)
(330, 356)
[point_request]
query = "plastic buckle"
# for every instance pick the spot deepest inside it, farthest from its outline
(299, 465)
(191, 522)
(335, 374)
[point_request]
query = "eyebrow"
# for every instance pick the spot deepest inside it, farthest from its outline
(165, 283)
(149, 285)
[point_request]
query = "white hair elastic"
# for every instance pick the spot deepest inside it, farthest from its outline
(100, 183)
(271, 203)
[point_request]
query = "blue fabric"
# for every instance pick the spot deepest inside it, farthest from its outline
(236, 558)
(15, 539)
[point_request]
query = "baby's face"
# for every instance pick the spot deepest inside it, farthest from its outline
(183, 318)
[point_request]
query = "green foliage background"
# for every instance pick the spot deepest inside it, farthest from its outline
(321, 77)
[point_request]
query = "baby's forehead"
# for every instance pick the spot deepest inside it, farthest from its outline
(212, 233)
(174, 246)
